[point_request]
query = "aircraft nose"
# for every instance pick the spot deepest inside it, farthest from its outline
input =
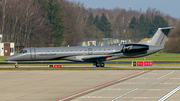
(7, 59)
(10, 58)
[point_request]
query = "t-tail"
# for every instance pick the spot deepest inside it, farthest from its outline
(159, 37)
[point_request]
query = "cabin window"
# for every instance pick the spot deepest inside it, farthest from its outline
(67, 51)
(71, 51)
(104, 49)
(76, 51)
(80, 50)
(95, 50)
(109, 49)
(100, 50)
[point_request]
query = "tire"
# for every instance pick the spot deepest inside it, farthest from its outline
(16, 66)
(102, 64)
(97, 65)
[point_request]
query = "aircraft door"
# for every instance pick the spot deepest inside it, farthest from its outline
(33, 53)
(90, 51)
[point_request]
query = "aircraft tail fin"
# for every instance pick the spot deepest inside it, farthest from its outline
(159, 37)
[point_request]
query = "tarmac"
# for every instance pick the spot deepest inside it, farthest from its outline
(92, 85)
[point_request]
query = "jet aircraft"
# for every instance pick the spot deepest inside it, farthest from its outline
(93, 54)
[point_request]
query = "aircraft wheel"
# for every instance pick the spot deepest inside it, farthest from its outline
(97, 65)
(102, 64)
(16, 66)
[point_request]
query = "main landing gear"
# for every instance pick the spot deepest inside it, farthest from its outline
(99, 64)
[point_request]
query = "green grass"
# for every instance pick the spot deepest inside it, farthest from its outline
(2, 58)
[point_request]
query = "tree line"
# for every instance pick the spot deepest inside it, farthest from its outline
(172, 44)
(39, 23)
(144, 28)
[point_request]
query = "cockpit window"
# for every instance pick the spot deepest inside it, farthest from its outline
(23, 51)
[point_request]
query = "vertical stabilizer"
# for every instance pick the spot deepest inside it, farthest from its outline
(159, 37)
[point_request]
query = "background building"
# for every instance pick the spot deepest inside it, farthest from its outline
(6, 48)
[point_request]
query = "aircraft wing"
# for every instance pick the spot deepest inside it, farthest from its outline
(94, 58)
(97, 57)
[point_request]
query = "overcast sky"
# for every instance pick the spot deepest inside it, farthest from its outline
(171, 7)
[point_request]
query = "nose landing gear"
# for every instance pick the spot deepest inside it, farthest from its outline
(16, 65)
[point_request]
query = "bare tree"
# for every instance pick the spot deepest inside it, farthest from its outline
(22, 23)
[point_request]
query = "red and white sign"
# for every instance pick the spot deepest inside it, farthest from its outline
(139, 63)
(57, 66)
(148, 63)
(143, 63)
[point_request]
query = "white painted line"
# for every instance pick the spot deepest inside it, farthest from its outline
(169, 94)
(99, 86)
(142, 86)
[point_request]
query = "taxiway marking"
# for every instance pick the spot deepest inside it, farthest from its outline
(154, 89)
(166, 83)
(94, 88)
(169, 94)
(175, 78)
(140, 98)
(142, 86)
(94, 97)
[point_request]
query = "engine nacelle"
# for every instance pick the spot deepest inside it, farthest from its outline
(131, 48)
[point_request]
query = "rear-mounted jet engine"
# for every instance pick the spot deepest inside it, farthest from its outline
(131, 48)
